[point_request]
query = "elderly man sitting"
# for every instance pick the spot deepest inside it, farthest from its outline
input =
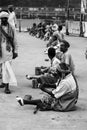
(62, 98)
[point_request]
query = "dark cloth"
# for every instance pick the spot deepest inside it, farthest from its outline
(48, 78)
(10, 36)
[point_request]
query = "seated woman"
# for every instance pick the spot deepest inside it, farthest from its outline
(50, 74)
(62, 98)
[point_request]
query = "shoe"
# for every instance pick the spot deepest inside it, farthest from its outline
(7, 91)
(29, 77)
(2, 85)
(20, 100)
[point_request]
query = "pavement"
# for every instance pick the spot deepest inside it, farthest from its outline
(31, 55)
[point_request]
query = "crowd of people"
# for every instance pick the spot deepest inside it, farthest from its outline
(58, 80)
(44, 30)
(59, 76)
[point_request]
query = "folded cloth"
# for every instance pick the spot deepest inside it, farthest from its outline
(8, 75)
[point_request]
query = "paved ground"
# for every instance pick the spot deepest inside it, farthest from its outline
(15, 117)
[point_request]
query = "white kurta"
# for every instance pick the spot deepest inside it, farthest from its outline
(6, 58)
(66, 85)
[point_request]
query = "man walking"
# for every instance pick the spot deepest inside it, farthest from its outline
(8, 51)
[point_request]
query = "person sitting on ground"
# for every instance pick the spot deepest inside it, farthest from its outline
(49, 73)
(47, 32)
(56, 38)
(61, 34)
(63, 98)
(39, 31)
(33, 31)
(66, 56)
(60, 37)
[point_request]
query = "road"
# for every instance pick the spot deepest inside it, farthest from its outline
(31, 55)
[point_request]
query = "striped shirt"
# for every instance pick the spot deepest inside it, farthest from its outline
(65, 86)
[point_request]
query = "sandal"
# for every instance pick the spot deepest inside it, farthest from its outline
(7, 91)
(20, 100)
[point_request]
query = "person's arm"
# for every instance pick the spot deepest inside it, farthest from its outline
(15, 44)
(60, 90)
(45, 70)
(69, 61)
(42, 87)
(53, 38)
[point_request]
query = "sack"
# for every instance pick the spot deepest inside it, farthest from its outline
(27, 97)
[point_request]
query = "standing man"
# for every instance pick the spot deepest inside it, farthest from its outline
(12, 17)
(8, 51)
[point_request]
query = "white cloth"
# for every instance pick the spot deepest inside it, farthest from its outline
(54, 65)
(66, 85)
(12, 19)
(55, 62)
(55, 33)
(4, 14)
(85, 33)
(8, 74)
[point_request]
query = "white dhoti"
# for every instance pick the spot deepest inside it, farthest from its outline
(8, 75)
